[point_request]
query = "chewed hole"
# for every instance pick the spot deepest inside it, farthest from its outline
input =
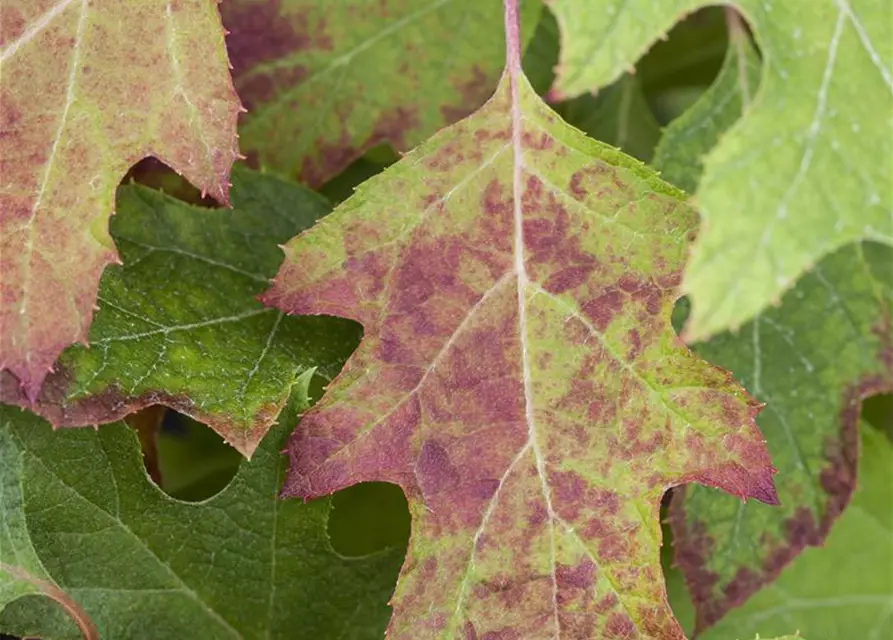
(369, 517)
(878, 412)
(185, 458)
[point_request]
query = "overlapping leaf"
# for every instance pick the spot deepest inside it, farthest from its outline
(336, 78)
(811, 374)
(805, 172)
(140, 564)
(519, 377)
(844, 589)
(87, 88)
(179, 325)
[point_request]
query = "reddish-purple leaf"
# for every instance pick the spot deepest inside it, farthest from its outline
(519, 377)
(87, 88)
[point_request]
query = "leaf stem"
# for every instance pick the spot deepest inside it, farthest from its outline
(512, 38)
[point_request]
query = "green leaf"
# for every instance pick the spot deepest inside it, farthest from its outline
(179, 324)
(243, 564)
(22, 573)
(806, 171)
(90, 88)
(335, 79)
(519, 377)
(812, 375)
(842, 590)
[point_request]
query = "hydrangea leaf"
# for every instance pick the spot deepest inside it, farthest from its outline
(519, 377)
(771, 197)
(812, 377)
(88, 88)
(242, 564)
(179, 324)
(337, 78)
(842, 590)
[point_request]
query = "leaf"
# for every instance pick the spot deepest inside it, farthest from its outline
(21, 571)
(812, 376)
(179, 324)
(843, 589)
(518, 376)
(688, 138)
(806, 171)
(619, 116)
(88, 89)
(336, 79)
(242, 564)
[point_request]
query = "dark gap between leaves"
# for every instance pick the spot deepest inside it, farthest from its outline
(878, 412)
(369, 517)
(186, 459)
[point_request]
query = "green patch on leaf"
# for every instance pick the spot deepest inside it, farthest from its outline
(619, 115)
(179, 324)
(243, 564)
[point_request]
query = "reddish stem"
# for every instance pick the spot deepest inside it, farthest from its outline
(512, 37)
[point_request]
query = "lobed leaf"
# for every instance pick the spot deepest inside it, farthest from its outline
(842, 590)
(519, 377)
(336, 79)
(773, 197)
(242, 564)
(88, 88)
(812, 376)
(179, 324)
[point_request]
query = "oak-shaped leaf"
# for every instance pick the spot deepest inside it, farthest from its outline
(519, 377)
(843, 589)
(805, 171)
(88, 88)
(178, 323)
(812, 374)
(132, 562)
(337, 78)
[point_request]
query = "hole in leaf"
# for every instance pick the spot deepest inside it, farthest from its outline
(368, 517)
(878, 412)
(187, 459)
